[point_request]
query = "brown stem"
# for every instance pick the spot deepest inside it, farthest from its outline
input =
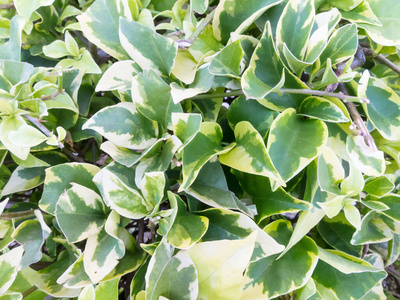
(369, 140)
(382, 59)
(17, 214)
(140, 235)
(7, 6)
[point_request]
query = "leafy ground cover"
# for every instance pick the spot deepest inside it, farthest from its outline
(161, 149)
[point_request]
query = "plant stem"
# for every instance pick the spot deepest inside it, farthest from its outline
(201, 27)
(369, 140)
(41, 127)
(287, 91)
(29, 291)
(7, 6)
(17, 214)
(382, 59)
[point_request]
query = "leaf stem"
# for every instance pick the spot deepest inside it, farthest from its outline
(341, 96)
(17, 214)
(369, 140)
(201, 27)
(382, 59)
(41, 127)
(29, 291)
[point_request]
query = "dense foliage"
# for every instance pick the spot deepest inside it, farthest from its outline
(162, 149)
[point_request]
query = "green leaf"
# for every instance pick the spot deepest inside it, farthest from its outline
(107, 290)
(250, 154)
(378, 186)
(11, 50)
(172, 275)
(153, 99)
(361, 14)
(330, 172)
(202, 82)
(199, 6)
(101, 255)
(340, 285)
(47, 277)
(147, 48)
(337, 232)
(58, 179)
(75, 276)
(368, 160)
(186, 229)
(269, 202)
(211, 188)
(118, 76)
(228, 225)
(393, 202)
(9, 264)
(294, 27)
(341, 45)
(185, 126)
(32, 234)
(386, 11)
(100, 25)
(80, 213)
(8, 125)
(320, 108)
(121, 155)
(266, 72)
(123, 125)
(345, 5)
(227, 61)
(152, 187)
(291, 271)
(383, 111)
(24, 179)
(372, 230)
(220, 266)
(251, 111)
(205, 144)
(231, 16)
(26, 136)
(26, 9)
(126, 200)
(293, 142)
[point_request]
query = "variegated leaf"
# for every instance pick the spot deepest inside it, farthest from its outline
(291, 271)
(58, 179)
(123, 125)
(231, 15)
(80, 213)
(100, 25)
(205, 144)
(147, 48)
(9, 266)
(266, 72)
(228, 61)
(215, 259)
(226, 224)
(250, 154)
(186, 229)
(325, 110)
(169, 274)
(153, 99)
(293, 143)
(118, 76)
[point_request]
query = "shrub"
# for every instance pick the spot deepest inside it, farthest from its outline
(160, 149)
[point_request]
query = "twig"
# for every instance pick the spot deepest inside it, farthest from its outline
(186, 43)
(140, 235)
(52, 96)
(369, 140)
(41, 127)
(7, 6)
(287, 91)
(17, 214)
(382, 59)
(152, 227)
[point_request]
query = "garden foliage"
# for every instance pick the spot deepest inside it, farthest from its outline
(162, 149)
